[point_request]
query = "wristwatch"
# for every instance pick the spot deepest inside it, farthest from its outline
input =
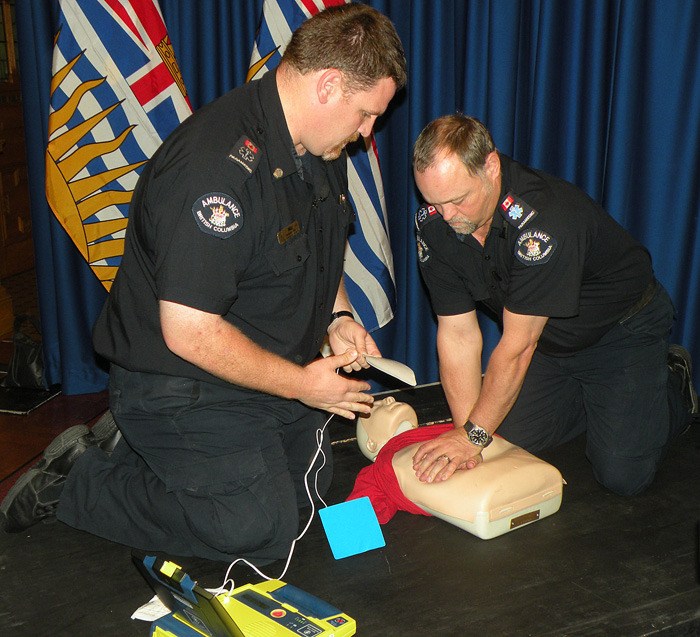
(477, 435)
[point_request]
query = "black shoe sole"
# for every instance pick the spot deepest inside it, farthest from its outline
(57, 461)
(70, 439)
(16, 490)
(62, 443)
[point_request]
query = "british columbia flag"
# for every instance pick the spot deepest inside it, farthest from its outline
(116, 93)
(369, 266)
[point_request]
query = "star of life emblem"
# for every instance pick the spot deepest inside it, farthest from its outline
(517, 212)
(246, 154)
(424, 214)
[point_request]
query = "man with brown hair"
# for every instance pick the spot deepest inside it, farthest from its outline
(585, 325)
(231, 280)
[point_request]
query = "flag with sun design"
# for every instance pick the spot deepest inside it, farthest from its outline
(369, 265)
(116, 93)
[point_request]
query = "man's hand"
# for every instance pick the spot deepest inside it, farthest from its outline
(344, 333)
(324, 389)
(436, 460)
(212, 343)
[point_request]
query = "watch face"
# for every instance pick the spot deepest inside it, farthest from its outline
(478, 436)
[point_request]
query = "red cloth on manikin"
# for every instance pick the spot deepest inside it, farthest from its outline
(378, 481)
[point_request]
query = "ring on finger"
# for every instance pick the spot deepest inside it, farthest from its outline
(446, 457)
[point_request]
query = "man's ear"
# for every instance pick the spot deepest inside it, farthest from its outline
(329, 85)
(492, 165)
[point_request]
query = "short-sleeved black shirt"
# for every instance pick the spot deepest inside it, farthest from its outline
(227, 219)
(551, 251)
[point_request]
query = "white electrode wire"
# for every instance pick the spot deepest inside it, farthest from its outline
(319, 450)
(319, 442)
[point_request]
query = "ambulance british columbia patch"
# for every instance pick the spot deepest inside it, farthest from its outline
(218, 214)
(535, 247)
(423, 251)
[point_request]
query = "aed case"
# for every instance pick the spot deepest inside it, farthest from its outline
(508, 490)
(271, 608)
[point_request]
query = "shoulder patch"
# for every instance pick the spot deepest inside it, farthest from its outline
(218, 214)
(425, 214)
(534, 247)
(423, 250)
(516, 212)
(245, 153)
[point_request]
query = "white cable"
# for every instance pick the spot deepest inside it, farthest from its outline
(319, 444)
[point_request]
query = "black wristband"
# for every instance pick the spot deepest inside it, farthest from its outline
(337, 315)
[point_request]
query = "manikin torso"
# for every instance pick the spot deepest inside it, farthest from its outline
(509, 479)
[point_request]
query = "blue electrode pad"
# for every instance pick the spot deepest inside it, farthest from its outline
(352, 527)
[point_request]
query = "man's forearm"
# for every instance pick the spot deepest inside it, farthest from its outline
(213, 344)
(461, 382)
(342, 302)
(501, 385)
(219, 348)
(460, 373)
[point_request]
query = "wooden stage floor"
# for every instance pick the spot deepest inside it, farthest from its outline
(602, 565)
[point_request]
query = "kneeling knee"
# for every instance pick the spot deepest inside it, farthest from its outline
(236, 527)
(625, 476)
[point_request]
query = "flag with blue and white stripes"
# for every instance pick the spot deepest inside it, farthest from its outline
(116, 93)
(369, 266)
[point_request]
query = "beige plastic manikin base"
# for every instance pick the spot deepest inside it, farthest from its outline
(509, 489)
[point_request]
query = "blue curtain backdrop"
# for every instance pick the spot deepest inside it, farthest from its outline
(604, 93)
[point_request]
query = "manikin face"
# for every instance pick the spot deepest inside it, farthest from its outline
(347, 116)
(466, 202)
(387, 419)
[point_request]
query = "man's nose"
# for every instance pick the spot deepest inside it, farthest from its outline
(448, 211)
(366, 127)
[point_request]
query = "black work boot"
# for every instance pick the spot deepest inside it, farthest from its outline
(34, 497)
(679, 363)
(104, 433)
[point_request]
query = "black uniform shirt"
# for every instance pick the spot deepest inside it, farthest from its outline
(551, 251)
(224, 220)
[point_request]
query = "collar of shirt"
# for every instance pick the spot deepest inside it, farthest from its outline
(498, 227)
(278, 142)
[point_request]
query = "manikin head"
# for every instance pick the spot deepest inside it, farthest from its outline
(387, 419)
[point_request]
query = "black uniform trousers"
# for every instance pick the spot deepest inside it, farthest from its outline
(202, 470)
(618, 391)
